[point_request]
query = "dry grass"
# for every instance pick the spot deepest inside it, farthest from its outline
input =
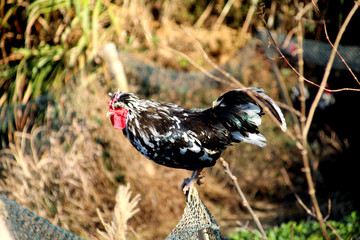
(59, 175)
(125, 209)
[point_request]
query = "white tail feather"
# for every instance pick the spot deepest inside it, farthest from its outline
(277, 109)
(252, 111)
(253, 138)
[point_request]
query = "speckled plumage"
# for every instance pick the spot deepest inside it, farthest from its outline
(192, 138)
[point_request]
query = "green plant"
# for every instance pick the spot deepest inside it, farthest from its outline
(47, 43)
(348, 228)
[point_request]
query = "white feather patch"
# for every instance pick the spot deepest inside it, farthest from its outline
(252, 111)
(253, 138)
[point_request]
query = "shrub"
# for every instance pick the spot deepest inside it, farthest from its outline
(348, 228)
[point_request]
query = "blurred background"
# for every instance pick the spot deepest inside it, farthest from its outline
(61, 158)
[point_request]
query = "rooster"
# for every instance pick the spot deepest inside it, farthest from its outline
(191, 139)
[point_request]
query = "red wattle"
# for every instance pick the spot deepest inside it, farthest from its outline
(118, 119)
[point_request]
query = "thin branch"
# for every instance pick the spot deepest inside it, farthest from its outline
(244, 201)
(315, 6)
(215, 66)
(301, 71)
(342, 59)
(311, 113)
(282, 56)
(333, 230)
(329, 65)
(292, 188)
(305, 147)
(203, 70)
(289, 108)
(302, 204)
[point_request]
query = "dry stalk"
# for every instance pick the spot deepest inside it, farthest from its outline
(249, 16)
(204, 15)
(306, 127)
(223, 13)
(303, 122)
(301, 71)
(125, 208)
(244, 201)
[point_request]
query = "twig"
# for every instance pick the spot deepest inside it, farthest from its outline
(301, 70)
(288, 105)
(303, 122)
(289, 108)
(215, 66)
(333, 230)
(244, 202)
(302, 204)
(272, 42)
(292, 188)
(203, 70)
(329, 65)
(342, 59)
(310, 116)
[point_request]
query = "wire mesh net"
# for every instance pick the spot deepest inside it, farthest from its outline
(197, 222)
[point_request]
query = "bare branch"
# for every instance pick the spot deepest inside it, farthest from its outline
(282, 56)
(203, 70)
(328, 67)
(292, 188)
(244, 201)
(302, 204)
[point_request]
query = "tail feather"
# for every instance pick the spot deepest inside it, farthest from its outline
(241, 114)
(253, 138)
(274, 109)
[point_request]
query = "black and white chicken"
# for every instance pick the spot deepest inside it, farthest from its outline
(191, 139)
